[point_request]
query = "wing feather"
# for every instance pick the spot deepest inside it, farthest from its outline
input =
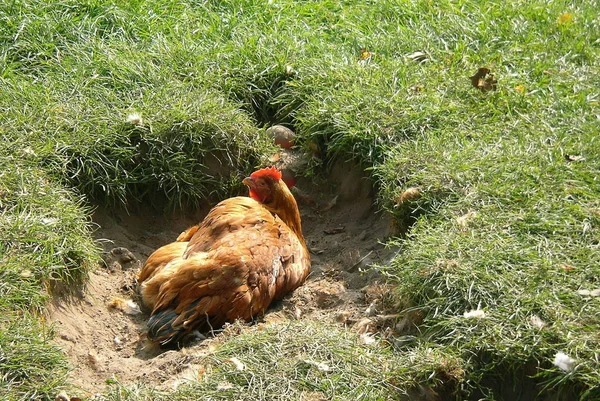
(160, 258)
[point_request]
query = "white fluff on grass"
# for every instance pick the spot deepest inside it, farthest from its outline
(537, 322)
(564, 362)
(239, 365)
(589, 293)
(135, 119)
(475, 314)
(367, 339)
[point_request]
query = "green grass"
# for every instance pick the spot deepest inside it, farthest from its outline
(32, 367)
(531, 214)
(281, 361)
(46, 249)
(206, 78)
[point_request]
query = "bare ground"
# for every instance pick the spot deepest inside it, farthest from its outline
(104, 337)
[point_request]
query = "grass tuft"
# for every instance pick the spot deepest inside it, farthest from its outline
(46, 248)
(282, 361)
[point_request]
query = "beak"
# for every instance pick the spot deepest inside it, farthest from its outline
(249, 182)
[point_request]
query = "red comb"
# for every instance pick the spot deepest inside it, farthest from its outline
(271, 172)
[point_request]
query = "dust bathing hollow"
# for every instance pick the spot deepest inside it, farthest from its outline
(103, 331)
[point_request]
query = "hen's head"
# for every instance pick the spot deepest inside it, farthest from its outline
(265, 185)
(269, 187)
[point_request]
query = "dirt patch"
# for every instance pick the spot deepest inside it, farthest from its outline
(104, 335)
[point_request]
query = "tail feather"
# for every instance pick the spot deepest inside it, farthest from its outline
(167, 327)
(161, 330)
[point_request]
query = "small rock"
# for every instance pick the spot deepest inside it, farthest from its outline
(371, 310)
(68, 337)
(26, 273)
(343, 317)
(122, 255)
(49, 221)
(62, 396)
(28, 151)
(115, 267)
(588, 293)
(283, 136)
(328, 298)
(334, 230)
(93, 359)
(574, 158)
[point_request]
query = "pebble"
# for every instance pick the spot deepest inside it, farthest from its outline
(283, 136)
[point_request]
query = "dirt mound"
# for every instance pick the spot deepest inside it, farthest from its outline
(103, 331)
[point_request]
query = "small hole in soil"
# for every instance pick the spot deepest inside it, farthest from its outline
(266, 101)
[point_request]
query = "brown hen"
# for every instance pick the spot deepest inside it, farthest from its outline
(247, 252)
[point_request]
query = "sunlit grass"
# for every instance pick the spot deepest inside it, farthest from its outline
(507, 218)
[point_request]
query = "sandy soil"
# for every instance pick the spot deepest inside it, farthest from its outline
(104, 335)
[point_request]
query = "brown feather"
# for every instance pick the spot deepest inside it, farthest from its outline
(187, 234)
(160, 258)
